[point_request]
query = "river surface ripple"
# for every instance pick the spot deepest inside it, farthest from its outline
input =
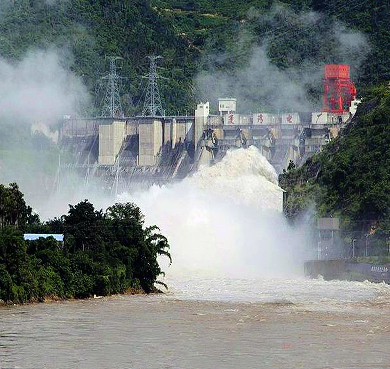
(207, 323)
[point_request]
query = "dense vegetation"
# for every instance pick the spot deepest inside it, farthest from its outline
(196, 35)
(92, 30)
(102, 253)
(350, 178)
(213, 22)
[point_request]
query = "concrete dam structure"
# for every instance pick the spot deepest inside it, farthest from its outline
(157, 149)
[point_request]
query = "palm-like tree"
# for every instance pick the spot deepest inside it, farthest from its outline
(158, 242)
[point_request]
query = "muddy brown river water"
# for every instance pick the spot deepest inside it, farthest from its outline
(225, 220)
(182, 330)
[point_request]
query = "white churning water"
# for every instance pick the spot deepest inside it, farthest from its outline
(229, 239)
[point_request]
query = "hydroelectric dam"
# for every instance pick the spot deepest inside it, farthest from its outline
(155, 149)
(126, 152)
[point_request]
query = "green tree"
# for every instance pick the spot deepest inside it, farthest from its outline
(13, 208)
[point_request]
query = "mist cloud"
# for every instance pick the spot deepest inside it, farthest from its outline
(279, 57)
(259, 81)
(40, 87)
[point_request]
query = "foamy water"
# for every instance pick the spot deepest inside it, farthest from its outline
(225, 220)
(230, 241)
(311, 294)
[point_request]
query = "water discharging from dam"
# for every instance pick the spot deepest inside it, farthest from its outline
(230, 240)
(225, 220)
(238, 297)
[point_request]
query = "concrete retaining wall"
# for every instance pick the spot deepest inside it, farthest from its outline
(347, 270)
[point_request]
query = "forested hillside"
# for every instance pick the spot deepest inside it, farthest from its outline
(92, 30)
(211, 18)
(196, 36)
(350, 178)
(298, 36)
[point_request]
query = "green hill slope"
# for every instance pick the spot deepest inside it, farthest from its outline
(93, 30)
(193, 36)
(350, 179)
(369, 17)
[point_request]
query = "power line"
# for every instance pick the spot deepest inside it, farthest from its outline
(152, 105)
(112, 107)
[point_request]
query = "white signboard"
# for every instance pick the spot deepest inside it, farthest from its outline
(290, 118)
(231, 119)
(262, 118)
(319, 118)
(245, 120)
(227, 105)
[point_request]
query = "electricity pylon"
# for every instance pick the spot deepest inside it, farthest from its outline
(152, 105)
(112, 107)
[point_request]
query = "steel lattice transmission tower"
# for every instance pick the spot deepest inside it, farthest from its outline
(112, 107)
(152, 105)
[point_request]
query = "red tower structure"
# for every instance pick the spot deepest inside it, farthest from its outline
(339, 91)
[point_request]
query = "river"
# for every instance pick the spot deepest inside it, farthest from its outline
(236, 299)
(210, 323)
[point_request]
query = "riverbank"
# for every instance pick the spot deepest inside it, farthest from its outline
(54, 299)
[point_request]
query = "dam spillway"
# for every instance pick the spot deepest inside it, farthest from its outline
(126, 151)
